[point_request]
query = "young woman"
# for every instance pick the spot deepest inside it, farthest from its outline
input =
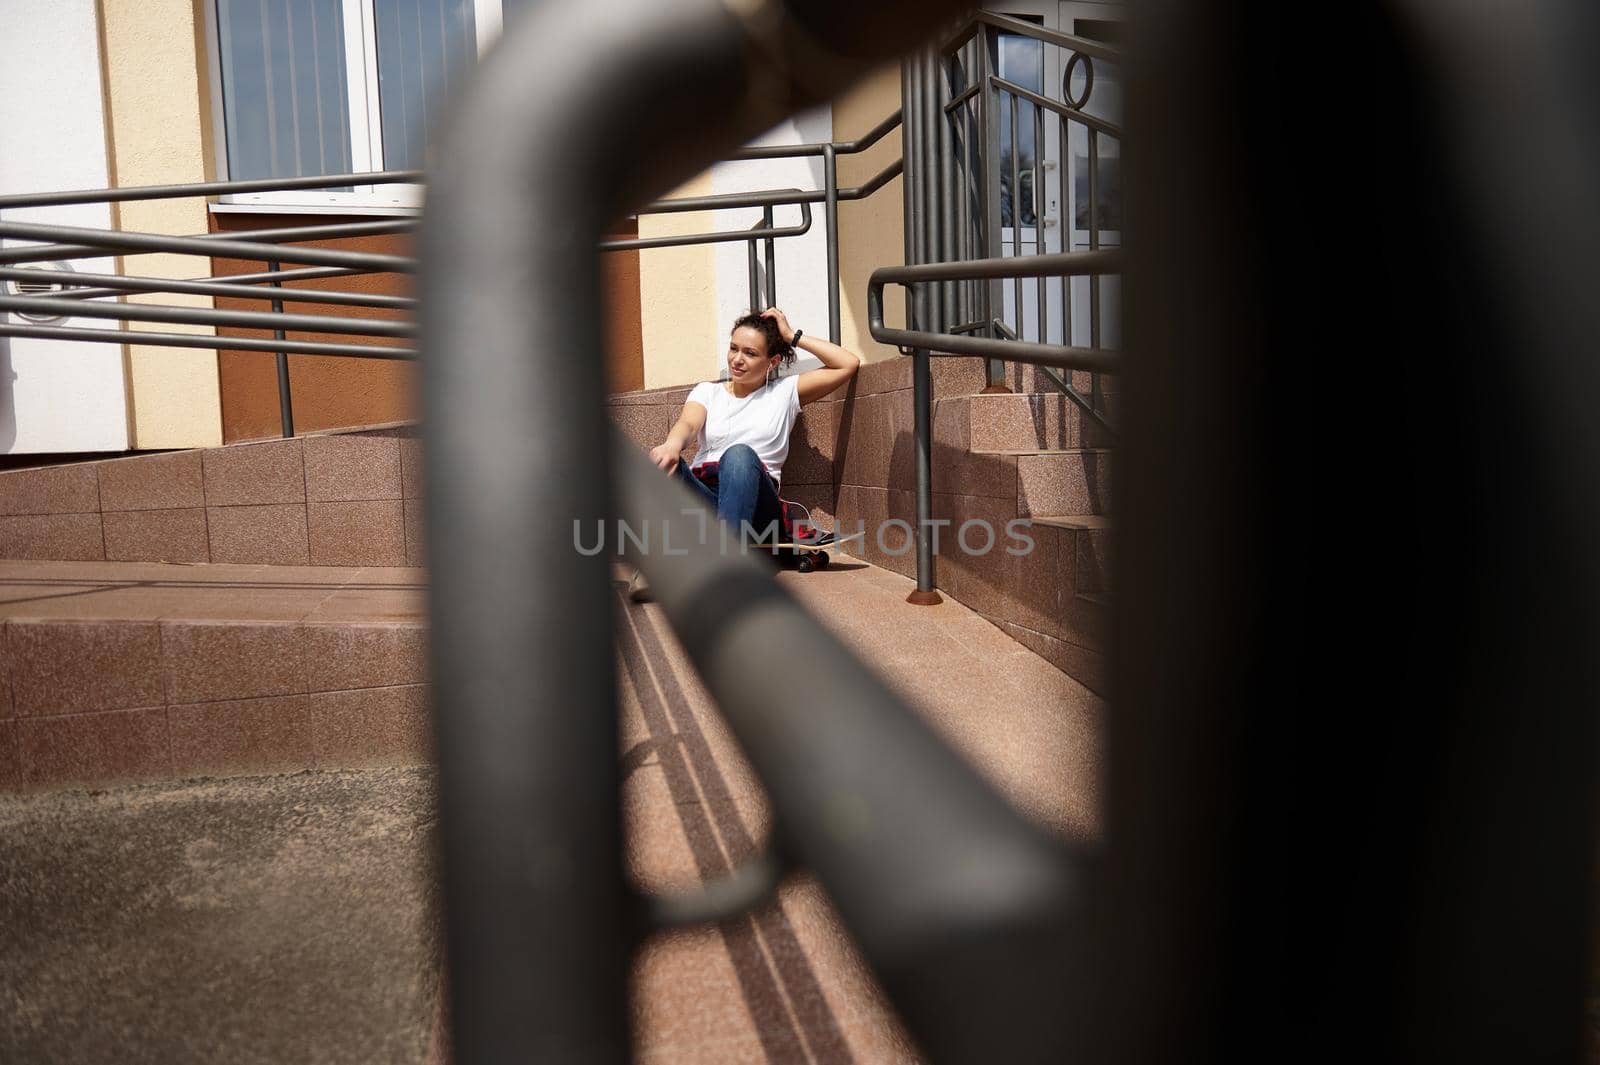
(743, 423)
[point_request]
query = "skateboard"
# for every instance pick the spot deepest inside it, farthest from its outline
(810, 553)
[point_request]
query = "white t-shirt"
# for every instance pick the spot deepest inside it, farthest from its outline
(763, 420)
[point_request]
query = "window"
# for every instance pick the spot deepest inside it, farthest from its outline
(310, 87)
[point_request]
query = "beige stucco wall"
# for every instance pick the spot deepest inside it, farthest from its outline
(871, 231)
(678, 287)
(156, 93)
(677, 294)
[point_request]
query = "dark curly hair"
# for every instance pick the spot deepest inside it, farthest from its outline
(768, 328)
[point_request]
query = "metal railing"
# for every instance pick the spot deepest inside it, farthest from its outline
(77, 295)
(921, 344)
(74, 294)
(973, 211)
(1013, 182)
(830, 196)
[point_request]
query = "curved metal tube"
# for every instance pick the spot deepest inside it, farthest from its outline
(1017, 27)
(203, 341)
(92, 247)
(762, 232)
(264, 277)
(521, 645)
(207, 188)
(723, 201)
(97, 241)
(521, 628)
(113, 284)
(145, 312)
(850, 147)
(1054, 265)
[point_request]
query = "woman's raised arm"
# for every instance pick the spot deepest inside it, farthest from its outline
(838, 364)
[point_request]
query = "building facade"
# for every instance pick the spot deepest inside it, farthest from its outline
(101, 93)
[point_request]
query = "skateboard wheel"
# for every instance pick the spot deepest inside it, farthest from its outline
(823, 560)
(806, 565)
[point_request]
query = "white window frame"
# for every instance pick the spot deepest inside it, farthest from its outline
(366, 119)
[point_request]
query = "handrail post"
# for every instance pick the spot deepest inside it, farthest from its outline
(753, 269)
(772, 261)
(989, 121)
(944, 165)
(911, 78)
(830, 178)
(931, 199)
(926, 593)
(285, 401)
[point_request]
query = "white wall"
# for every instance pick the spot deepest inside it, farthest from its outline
(801, 261)
(56, 395)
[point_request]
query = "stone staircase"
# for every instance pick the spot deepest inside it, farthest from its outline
(240, 631)
(997, 458)
(1029, 454)
(248, 609)
(259, 607)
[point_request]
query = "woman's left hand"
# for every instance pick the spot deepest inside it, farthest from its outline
(784, 330)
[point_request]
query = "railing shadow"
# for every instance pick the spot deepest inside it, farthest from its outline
(74, 587)
(776, 980)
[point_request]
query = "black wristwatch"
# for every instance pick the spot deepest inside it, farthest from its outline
(794, 341)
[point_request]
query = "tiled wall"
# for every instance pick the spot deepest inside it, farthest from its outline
(350, 499)
(94, 702)
(338, 499)
(808, 473)
(1032, 597)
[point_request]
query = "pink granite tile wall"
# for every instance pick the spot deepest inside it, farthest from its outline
(328, 499)
(980, 474)
(51, 512)
(91, 703)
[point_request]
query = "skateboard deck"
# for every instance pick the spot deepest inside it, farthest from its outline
(809, 554)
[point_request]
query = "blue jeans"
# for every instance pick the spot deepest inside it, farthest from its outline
(745, 492)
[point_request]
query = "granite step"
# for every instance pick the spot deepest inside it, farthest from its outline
(130, 672)
(1026, 379)
(784, 983)
(1092, 546)
(1031, 421)
(1059, 482)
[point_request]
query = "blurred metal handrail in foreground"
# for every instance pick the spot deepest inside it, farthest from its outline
(963, 909)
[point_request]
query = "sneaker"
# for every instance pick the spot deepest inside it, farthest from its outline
(639, 588)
